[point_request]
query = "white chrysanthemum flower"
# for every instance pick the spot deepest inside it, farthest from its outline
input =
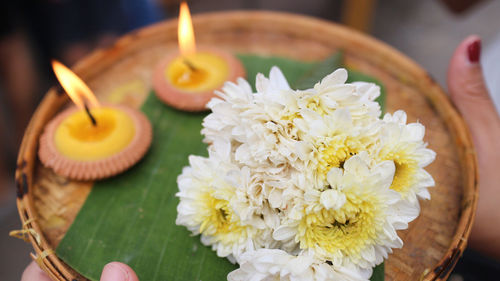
(256, 124)
(333, 93)
(313, 174)
(278, 265)
(355, 223)
(403, 143)
(250, 204)
(205, 208)
(330, 141)
(266, 127)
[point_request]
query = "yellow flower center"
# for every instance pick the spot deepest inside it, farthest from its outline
(406, 168)
(315, 105)
(291, 116)
(334, 153)
(218, 219)
(343, 232)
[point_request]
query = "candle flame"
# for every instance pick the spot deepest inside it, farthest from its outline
(185, 31)
(76, 89)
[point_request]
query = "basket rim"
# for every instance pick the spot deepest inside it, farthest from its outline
(416, 76)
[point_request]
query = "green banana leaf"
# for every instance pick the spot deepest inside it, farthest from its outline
(131, 217)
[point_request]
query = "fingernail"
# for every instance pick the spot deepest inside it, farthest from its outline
(474, 51)
(113, 272)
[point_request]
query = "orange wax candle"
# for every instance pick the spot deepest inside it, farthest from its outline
(87, 144)
(187, 80)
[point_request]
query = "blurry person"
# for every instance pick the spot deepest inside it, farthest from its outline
(469, 93)
(32, 33)
(69, 29)
(18, 85)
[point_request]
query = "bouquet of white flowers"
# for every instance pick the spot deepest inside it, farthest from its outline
(304, 184)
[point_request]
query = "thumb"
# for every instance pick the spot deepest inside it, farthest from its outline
(468, 90)
(117, 271)
(469, 93)
(34, 273)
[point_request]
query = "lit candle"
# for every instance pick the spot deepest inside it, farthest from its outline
(89, 141)
(187, 80)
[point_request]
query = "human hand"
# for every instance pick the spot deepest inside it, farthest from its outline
(469, 93)
(113, 271)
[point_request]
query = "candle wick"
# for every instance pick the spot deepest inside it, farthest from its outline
(92, 119)
(190, 65)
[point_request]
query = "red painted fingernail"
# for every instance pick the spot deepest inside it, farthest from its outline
(474, 51)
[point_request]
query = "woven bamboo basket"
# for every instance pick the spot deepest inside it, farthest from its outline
(434, 242)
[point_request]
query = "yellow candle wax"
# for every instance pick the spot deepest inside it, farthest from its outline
(197, 73)
(188, 82)
(78, 139)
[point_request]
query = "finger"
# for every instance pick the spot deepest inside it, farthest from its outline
(117, 271)
(469, 93)
(468, 90)
(34, 273)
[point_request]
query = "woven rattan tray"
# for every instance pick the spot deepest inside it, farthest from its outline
(48, 203)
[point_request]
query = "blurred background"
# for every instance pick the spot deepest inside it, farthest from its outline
(33, 32)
